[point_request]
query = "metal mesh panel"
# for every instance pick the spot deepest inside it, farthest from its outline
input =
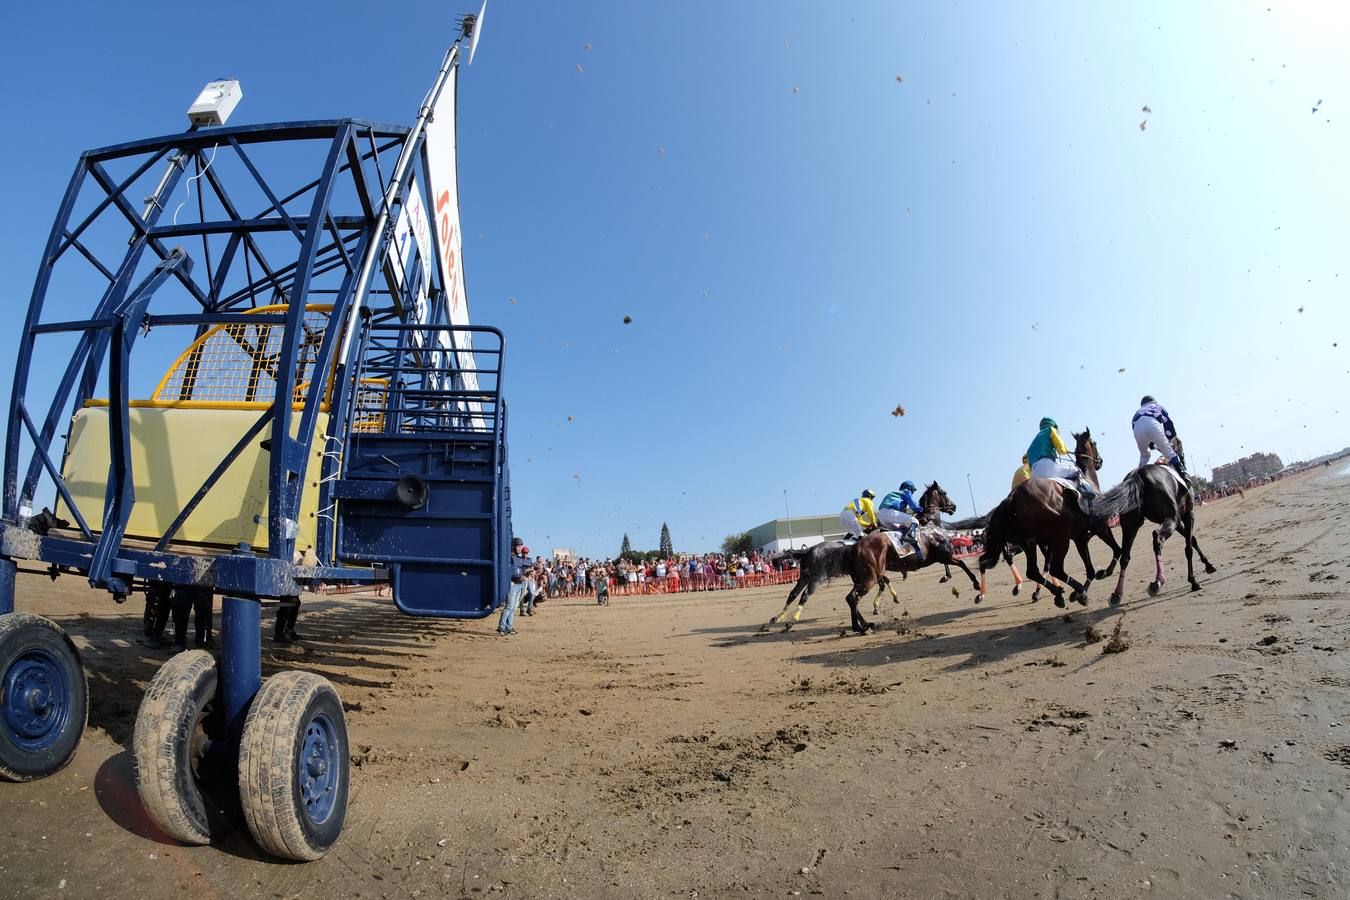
(237, 363)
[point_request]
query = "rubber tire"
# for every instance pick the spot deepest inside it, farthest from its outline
(20, 632)
(162, 745)
(269, 753)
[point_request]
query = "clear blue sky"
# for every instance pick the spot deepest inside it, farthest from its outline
(803, 241)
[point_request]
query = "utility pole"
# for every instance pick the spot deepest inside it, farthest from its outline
(973, 510)
(788, 515)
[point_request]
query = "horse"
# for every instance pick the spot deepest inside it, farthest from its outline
(1042, 512)
(1156, 493)
(831, 559)
(875, 555)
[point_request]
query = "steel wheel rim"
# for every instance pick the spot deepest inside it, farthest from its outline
(317, 768)
(34, 701)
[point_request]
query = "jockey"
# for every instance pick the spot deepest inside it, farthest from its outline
(1022, 474)
(1049, 458)
(897, 513)
(1153, 429)
(859, 515)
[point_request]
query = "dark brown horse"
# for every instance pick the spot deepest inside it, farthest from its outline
(1154, 493)
(876, 554)
(1044, 513)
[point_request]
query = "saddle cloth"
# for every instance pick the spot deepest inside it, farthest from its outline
(1173, 472)
(901, 548)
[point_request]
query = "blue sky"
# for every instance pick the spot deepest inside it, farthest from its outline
(802, 240)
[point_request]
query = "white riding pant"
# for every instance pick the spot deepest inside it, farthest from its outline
(850, 520)
(894, 519)
(1054, 467)
(1148, 430)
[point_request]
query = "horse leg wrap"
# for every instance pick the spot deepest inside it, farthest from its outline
(1161, 579)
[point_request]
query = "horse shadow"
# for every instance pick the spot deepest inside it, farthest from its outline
(969, 650)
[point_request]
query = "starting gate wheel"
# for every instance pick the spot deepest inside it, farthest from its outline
(44, 697)
(294, 766)
(175, 727)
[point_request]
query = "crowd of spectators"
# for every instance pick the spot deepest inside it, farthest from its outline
(562, 577)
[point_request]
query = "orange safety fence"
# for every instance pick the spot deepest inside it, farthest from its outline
(684, 583)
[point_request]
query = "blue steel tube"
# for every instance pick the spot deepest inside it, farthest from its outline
(240, 660)
(8, 570)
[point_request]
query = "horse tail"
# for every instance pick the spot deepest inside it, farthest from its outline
(967, 524)
(1125, 497)
(997, 533)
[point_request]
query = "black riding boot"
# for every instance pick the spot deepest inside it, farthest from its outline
(290, 620)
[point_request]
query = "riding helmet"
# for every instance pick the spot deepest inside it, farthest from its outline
(868, 494)
(907, 486)
(1048, 422)
(1146, 400)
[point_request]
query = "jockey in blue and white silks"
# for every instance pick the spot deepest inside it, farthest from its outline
(897, 513)
(1153, 430)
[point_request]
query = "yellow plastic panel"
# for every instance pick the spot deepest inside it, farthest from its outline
(172, 453)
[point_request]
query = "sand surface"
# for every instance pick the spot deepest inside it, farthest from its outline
(662, 747)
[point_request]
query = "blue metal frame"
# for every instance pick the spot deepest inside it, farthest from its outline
(330, 235)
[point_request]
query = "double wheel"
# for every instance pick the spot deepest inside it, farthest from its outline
(292, 763)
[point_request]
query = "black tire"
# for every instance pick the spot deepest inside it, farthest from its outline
(175, 726)
(44, 697)
(294, 766)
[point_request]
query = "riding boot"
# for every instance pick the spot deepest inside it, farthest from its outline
(1180, 465)
(912, 538)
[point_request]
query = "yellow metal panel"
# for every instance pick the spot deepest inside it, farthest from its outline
(172, 453)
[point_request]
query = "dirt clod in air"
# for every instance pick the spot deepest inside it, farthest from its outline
(1119, 641)
(1091, 635)
(628, 320)
(898, 411)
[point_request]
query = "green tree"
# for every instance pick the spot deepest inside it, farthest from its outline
(737, 543)
(627, 548)
(667, 548)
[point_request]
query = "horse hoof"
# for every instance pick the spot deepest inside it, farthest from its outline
(787, 627)
(1017, 589)
(1114, 599)
(1195, 586)
(1036, 596)
(943, 579)
(1154, 588)
(979, 598)
(1059, 600)
(1102, 574)
(1210, 570)
(1082, 599)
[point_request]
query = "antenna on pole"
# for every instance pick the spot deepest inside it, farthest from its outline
(471, 26)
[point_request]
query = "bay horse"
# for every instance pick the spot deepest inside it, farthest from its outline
(875, 555)
(1044, 513)
(831, 559)
(1154, 493)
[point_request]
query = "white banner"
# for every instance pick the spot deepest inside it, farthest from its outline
(412, 234)
(443, 177)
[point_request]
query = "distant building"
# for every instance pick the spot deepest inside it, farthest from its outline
(1258, 465)
(563, 554)
(796, 533)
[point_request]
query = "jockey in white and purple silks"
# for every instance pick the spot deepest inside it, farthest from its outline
(1153, 430)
